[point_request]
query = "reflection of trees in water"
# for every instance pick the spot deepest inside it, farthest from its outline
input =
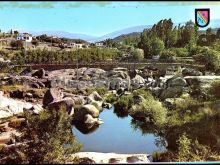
(146, 128)
(85, 129)
(206, 131)
(120, 113)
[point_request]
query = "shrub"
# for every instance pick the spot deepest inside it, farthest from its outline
(124, 102)
(157, 46)
(214, 89)
(180, 52)
(123, 105)
(111, 98)
(149, 111)
(145, 93)
(138, 54)
(208, 57)
(45, 140)
(184, 148)
(189, 150)
(168, 56)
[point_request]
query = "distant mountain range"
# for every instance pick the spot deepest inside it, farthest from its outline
(213, 24)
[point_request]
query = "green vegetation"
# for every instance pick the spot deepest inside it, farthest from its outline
(181, 36)
(137, 54)
(188, 151)
(90, 55)
(208, 57)
(44, 140)
(168, 56)
(124, 103)
(214, 89)
(149, 111)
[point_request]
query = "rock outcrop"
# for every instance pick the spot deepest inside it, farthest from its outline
(10, 107)
(98, 157)
(52, 95)
(39, 73)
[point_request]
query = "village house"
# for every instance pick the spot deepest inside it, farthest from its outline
(25, 37)
(99, 44)
(74, 45)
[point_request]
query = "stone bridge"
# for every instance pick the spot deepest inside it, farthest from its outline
(109, 66)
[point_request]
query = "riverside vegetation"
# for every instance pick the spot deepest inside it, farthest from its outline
(181, 111)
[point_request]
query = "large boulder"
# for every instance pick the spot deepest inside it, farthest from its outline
(107, 158)
(91, 121)
(53, 94)
(80, 113)
(10, 107)
(115, 83)
(93, 71)
(118, 73)
(191, 72)
(176, 81)
(137, 82)
(95, 96)
(66, 103)
(39, 73)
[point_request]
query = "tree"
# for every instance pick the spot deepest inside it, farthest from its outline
(48, 138)
(210, 37)
(138, 54)
(157, 46)
(208, 57)
(218, 34)
(17, 44)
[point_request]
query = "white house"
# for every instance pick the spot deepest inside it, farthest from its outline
(99, 44)
(79, 46)
(75, 45)
(24, 37)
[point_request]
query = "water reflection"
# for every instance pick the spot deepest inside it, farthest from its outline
(129, 135)
(84, 128)
(116, 135)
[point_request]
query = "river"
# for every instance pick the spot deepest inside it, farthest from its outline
(117, 135)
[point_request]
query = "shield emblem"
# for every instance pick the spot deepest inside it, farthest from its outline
(202, 17)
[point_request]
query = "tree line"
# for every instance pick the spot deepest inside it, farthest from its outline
(85, 56)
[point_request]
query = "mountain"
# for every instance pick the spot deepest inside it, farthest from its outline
(65, 35)
(215, 23)
(124, 31)
(90, 38)
(122, 37)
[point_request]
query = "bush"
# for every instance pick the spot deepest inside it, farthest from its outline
(214, 89)
(168, 56)
(138, 54)
(149, 111)
(189, 150)
(180, 52)
(157, 46)
(45, 140)
(123, 105)
(145, 93)
(208, 57)
(111, 98)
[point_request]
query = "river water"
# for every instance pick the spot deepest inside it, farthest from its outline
(117, 135)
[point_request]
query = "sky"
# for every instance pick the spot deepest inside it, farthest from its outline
(95, 18)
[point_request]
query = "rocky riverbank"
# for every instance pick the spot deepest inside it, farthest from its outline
(68, 89)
